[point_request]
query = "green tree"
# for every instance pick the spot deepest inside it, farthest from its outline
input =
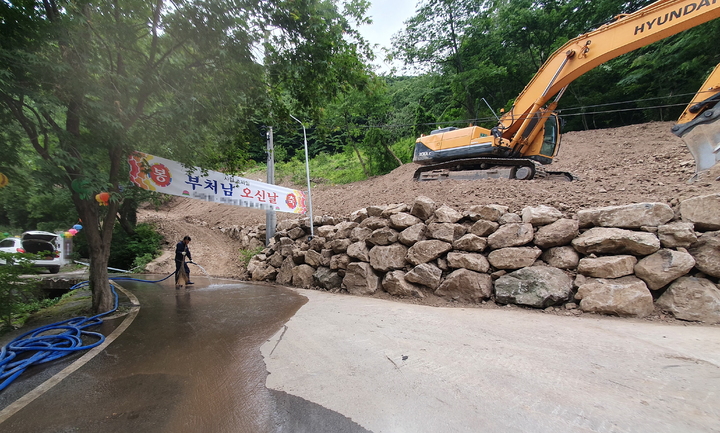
(434, 37)
(89, 82)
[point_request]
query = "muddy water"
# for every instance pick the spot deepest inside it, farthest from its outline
(190, 362)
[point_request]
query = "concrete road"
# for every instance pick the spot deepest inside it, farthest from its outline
(188, 361)
(394, 368)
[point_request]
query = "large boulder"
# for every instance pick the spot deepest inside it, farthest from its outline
(626, 296)
(264, 272)
(608, 266)
(465, 285)
(360, 279)
(374, 223)
(413, 234)
(663, 267)
(510, 218)
(540, 215)
(561, 257)
(706, 252)
(703, 211)
(425, 251)
(359, 215)
(326, 232)
(386, 258)
(394, 209)
(447, 232)
(285, 274)
(470, 242)
(423, 208)
(514, 257)
(677, 234)
(360, 234)
(631, 216)
(538, 286)
(690, 298)
(344, 229)
(359, 251)
(383, 236)
(298, 232)
(340, 245)
(303, 276)
(489, 212)
(484, 228)
(511, 235)
(446, 214)
(426, 274)
(395, 284)
(472, 261)
(317, 243)
(601, 240)
(556, 234)
(401, 221)
(339, 262)
(276, 260)
(375, 211)
(313, 258)
(327, 278)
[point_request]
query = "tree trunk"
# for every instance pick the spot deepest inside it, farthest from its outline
(392, 153)
(362, 162)
(99, 237)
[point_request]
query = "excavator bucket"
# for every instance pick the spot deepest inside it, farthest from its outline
(704, 144)
(699, 125)
(702, 139)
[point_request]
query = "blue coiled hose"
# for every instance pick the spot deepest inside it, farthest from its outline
(49, 347)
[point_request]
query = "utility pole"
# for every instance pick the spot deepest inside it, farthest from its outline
(307, 172)
(270, 217)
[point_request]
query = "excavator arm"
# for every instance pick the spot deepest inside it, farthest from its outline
(698, 126)
(626, 33)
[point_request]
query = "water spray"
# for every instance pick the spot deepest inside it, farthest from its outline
(201, 268)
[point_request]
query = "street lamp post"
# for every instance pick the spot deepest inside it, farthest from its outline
(307, 172)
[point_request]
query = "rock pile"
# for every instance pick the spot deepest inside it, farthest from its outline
(619, 260)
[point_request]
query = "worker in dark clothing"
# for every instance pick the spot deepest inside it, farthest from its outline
(181, 252)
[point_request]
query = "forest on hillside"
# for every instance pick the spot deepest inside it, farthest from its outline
(85, 83)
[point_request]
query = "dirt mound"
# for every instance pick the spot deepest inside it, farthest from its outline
(632, 164)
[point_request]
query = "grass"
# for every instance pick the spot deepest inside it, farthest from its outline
(335, 169)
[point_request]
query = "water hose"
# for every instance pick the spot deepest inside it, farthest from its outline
(46, 344)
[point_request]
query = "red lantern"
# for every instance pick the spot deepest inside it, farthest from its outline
(104, 196)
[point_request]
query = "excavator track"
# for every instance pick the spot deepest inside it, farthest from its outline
(487, 168)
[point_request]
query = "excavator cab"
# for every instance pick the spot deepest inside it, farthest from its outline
(545, 145)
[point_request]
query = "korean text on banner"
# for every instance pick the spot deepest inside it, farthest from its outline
(169, 177)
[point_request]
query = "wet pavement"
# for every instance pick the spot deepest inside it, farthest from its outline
(189, 362)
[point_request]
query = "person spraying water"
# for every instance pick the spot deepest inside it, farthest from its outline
(182, 270)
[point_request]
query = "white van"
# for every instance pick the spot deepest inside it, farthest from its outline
(37, 242)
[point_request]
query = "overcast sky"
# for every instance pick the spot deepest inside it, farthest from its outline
(388, 17)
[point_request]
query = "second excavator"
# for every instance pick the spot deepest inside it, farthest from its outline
(527, 137)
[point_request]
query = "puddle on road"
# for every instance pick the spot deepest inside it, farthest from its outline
(190, 362)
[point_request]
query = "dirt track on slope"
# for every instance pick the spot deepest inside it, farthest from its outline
(632, 164)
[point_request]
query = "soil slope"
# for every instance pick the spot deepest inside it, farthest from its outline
(632, 164)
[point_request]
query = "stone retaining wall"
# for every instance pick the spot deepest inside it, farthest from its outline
(619, 260)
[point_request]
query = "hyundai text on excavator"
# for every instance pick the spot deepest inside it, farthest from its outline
(528, 135)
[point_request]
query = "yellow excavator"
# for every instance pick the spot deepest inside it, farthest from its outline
(528, 135)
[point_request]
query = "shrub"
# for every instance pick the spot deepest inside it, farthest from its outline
(247, 255)
(16, 291)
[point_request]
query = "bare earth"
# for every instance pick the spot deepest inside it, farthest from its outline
(632, 164)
